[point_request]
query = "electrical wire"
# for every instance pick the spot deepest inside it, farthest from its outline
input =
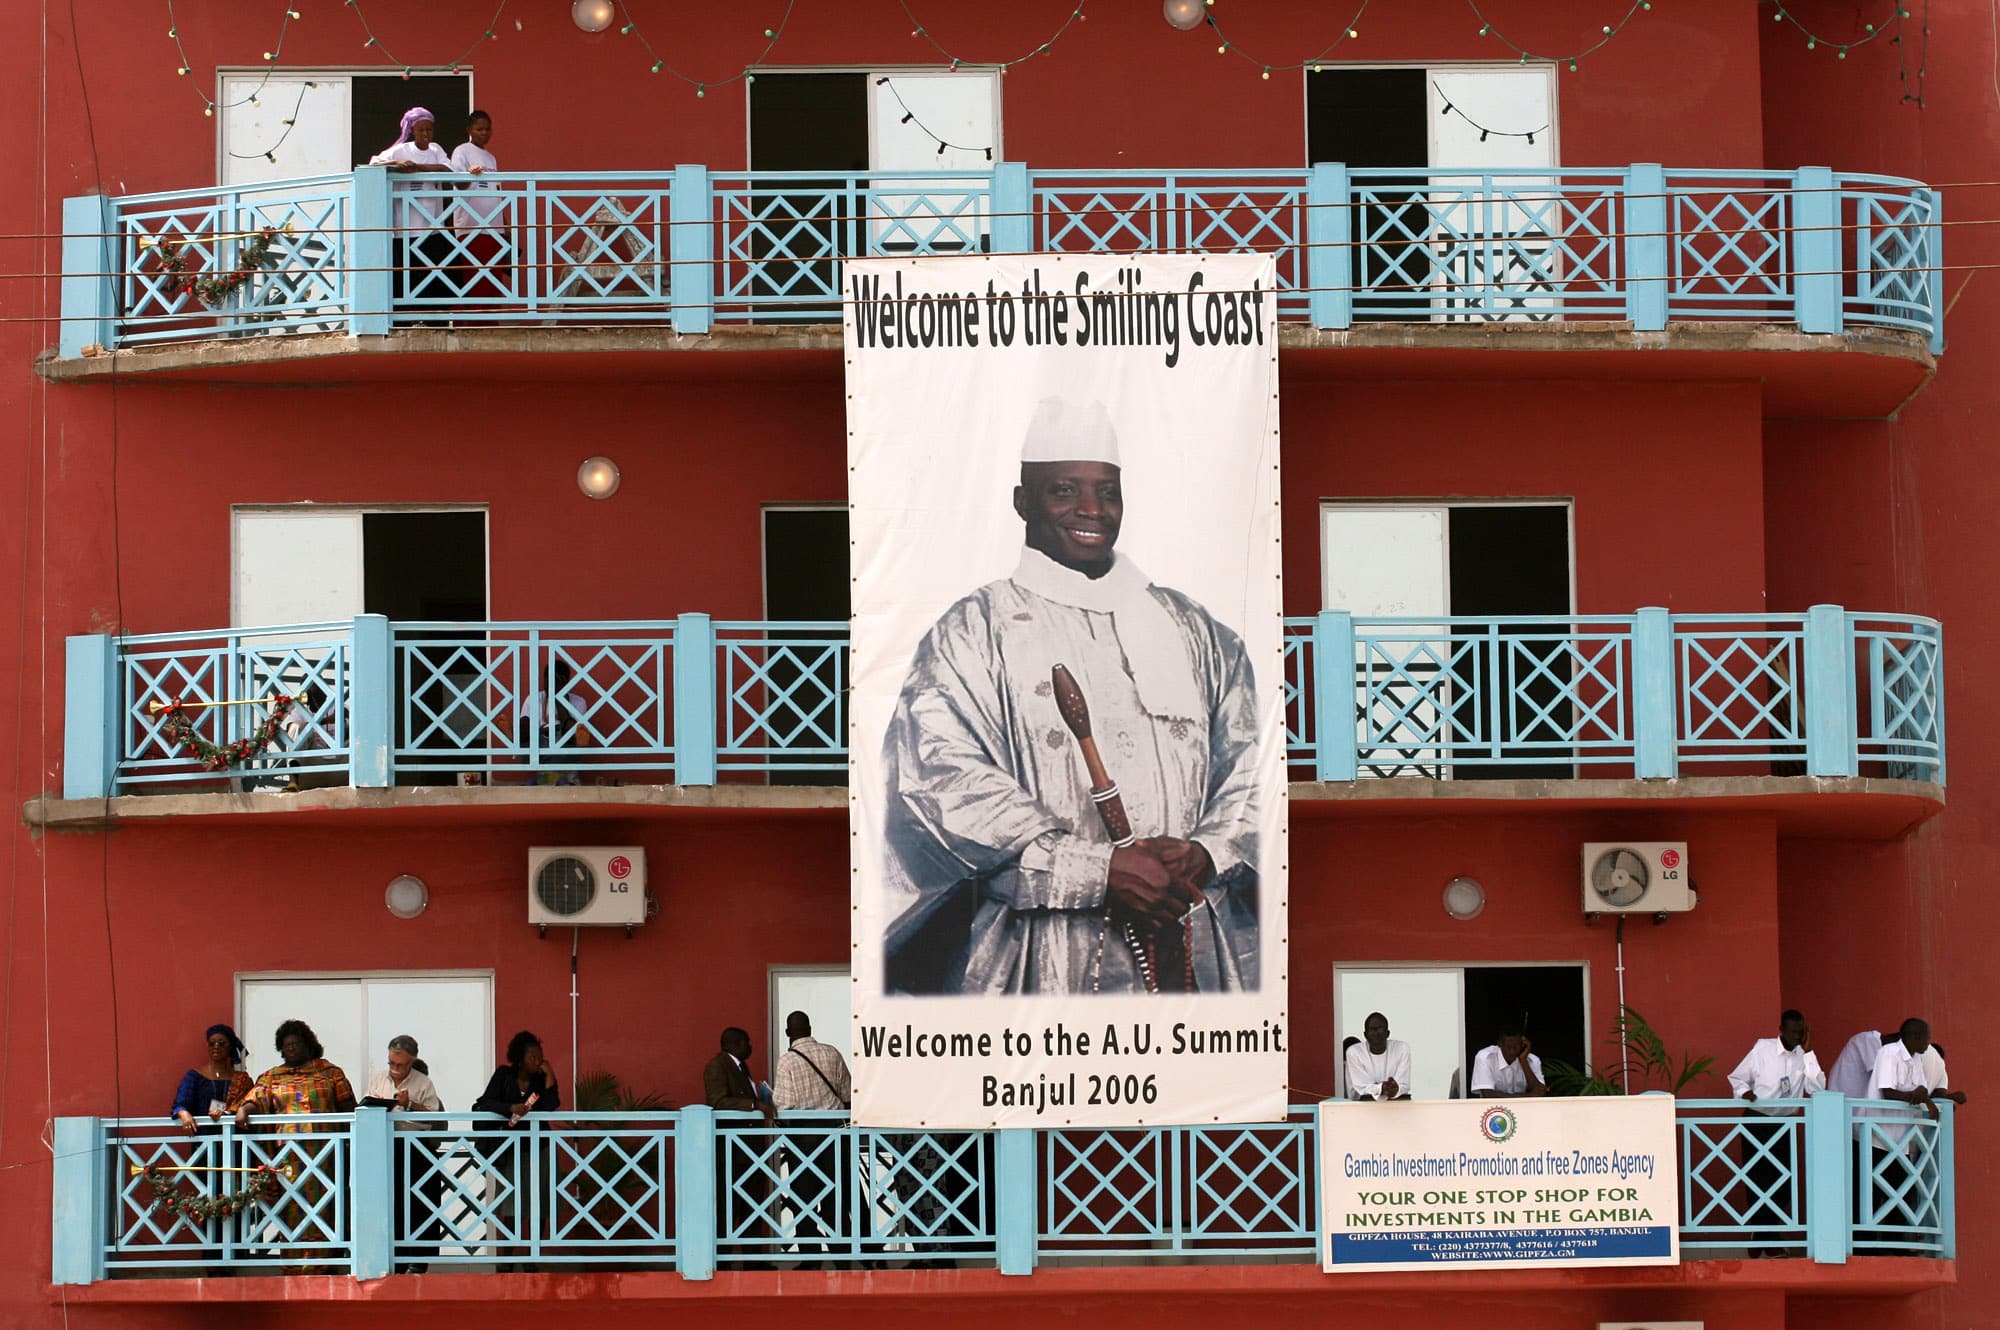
(388, 57)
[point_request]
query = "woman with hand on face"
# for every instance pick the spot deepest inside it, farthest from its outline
(524, 1085)
(213, 1088)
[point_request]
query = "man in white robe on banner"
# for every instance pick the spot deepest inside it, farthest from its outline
(1002, 876)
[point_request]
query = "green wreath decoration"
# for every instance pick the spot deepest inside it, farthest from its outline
(211, 290)
(178, 728)
(168, 1197)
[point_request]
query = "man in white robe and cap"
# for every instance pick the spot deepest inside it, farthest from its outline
(1001, 875)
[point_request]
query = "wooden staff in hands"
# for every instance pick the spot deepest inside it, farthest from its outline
(1154, 885)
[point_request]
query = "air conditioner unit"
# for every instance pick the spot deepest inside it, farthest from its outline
(1641, 877)
(587, 886)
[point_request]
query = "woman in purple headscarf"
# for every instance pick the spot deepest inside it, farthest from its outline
(422, 214)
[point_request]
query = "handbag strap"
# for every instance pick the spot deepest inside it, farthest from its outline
(822, 1076)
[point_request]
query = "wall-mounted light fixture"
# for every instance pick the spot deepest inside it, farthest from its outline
(1186, 15)
(598, 477)
(592, 15)
(407, 896)
(1464, 898)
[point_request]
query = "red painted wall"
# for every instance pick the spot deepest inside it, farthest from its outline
(1903, 510)
(1671, 503)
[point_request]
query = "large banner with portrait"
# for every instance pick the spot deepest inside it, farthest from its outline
(1067, 708)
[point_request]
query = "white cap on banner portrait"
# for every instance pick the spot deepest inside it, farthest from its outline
(1067, 431)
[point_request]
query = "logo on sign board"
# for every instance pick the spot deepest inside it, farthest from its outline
(1498, 1125)
(620, 866)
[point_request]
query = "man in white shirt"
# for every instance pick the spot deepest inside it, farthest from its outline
(1907, 1073)
(1778, 1068)
(1508, 1069)
(411, 1090)
(1378, 1067)
(1854, 1070)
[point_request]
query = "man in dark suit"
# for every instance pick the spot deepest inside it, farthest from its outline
(726, 1085)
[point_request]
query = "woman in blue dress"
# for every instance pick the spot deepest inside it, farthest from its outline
(212, 1089)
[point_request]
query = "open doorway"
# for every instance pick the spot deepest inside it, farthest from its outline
(806, 582)
(1447, 1013)
(420, 568)
(1425, 693)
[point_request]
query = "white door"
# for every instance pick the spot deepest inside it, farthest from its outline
(294, 565)
(255, 113)
(824, 994)
(931, 121)
(1424, 1008)
(355, 1016)
(1394, 560)
(1494, 234)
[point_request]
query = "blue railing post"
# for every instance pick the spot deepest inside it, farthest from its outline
(1646, 242)
(1014, 1207)
(1013, 209)
(1933, 260)
(1332, 696)
(1330, 246)
(691, 247)
(371, 251)
(89, 290)
(82, 1191)
(1830, 697)
(1947, 1165)
(371, 704)
(694, 1192)
(1655, 755)
(694, 700)
(1815, 250)
(1829, 1160)
(371, 1193)
(92, 725)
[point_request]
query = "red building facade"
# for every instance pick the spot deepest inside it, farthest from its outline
(1733, 462)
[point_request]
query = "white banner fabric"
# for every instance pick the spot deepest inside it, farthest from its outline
(1498, 1182)
(1067, 709)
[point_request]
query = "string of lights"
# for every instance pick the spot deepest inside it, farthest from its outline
(1452, 108)
(910, 117)
(1610, 33)
(1042, 48)
(1349, 31)
(291, 121)
(1923, 60)
(209, 104)
(1891, 23)
(660, 65)
(375, 43)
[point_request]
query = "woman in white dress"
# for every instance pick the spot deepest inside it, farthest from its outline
(481, 220)
(421, 217)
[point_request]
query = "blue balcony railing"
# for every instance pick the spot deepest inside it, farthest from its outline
(692, 700)
(1644, 244)
(369, 1190)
